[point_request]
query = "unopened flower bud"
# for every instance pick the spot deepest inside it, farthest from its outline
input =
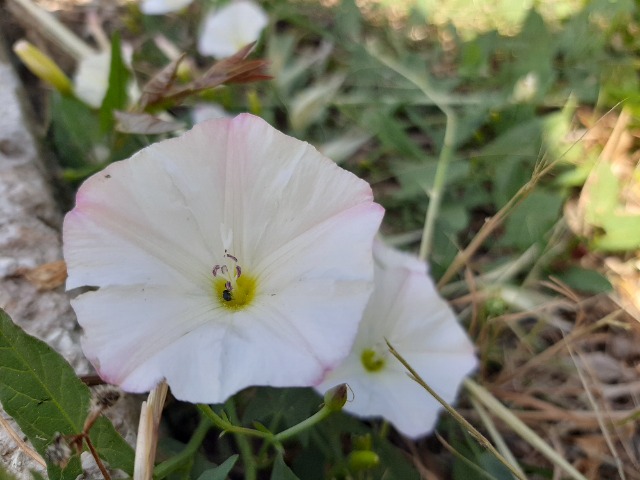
(59, 452)
(336, 397)
(42, 66)
(360, 460)
(362, 442)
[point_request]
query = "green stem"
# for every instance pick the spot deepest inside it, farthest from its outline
(225, 426)
(174, 463)
(439, 182)
(275, 439)
(446, 153)
(248, 459)
(317, 417)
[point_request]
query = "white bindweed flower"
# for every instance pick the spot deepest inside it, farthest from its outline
(405, 309)
(160, 7)
(91, 80)
(231, 256)
(202, 112)
(227, 30)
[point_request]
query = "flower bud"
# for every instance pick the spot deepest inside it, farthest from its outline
(362, 442)
(42, 66)
(336, 397)
(360, 460)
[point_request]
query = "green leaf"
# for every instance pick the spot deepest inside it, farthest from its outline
(622, 233)
(603, 189)
(311, 104)
(509, 157)
(391, 133)
(221, 471)
(76, 131)
(42, 393)
(417, 179)
(529, 222)
(393, 463)
(290, 406)
(116, 96)
(281, 471)
(585, 280)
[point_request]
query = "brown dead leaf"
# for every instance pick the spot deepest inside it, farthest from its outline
(47, 276)
(234, 69)
(160, 84)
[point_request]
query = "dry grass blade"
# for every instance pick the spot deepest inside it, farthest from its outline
(479, 471)
(519, 427)
(39, 20)
(553, 350)
(21, 443)
(463, 257)
(501, 444)
(148, 433)
(481, 439)
(599, 414)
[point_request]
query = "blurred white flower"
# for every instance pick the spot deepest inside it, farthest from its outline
(405, 308)
(201, 112)
(159, 7)
(91, 80)
(231, 256)
(526, 88)
(230, 28)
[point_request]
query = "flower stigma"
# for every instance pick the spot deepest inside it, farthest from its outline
(372, 360)
(233, 288)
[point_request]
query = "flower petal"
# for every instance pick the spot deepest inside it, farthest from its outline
(92, 78)
(147, 232)
(158, 214)
(230, 28)
(406, 310)
(159, 7)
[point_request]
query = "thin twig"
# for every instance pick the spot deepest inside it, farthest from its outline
(96, 457)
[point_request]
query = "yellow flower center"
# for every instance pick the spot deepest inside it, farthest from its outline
(239, 296)
(372, 361)
(233, 288)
